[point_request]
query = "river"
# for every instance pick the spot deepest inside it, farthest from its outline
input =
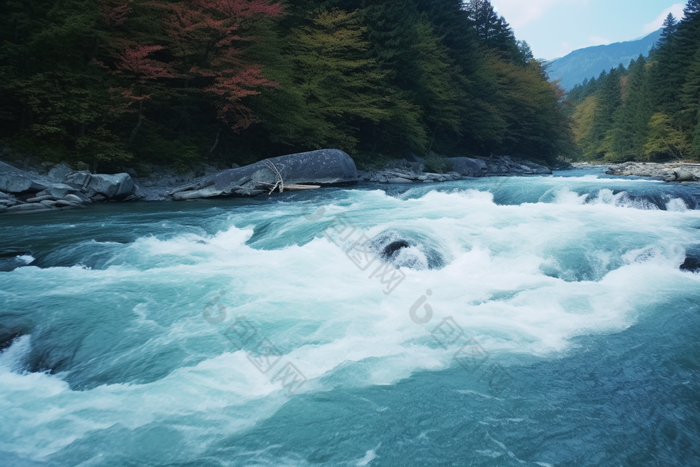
(539, 321)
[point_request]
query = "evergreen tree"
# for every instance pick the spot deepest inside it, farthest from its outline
(609, 99)
(631, 119)
(492, 29)
(338, 84)
(669, 28)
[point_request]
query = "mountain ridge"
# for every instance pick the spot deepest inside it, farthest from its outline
(589, 62)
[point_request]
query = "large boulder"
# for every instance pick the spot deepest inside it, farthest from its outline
(468, 167)
(536, 169)
(684, 176)
(14, 180)
(7, 168)
(117, 187)
(323, 167)
(18, 182)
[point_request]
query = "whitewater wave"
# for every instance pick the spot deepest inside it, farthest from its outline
(131, 340)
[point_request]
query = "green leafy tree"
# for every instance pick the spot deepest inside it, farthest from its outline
(664, 140)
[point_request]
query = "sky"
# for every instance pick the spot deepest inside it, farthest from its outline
(553, 28)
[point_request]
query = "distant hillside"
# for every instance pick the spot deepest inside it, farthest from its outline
(591, 61)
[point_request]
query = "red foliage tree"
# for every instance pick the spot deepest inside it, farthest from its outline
(198, 45)
(202, 38)
(136, 61)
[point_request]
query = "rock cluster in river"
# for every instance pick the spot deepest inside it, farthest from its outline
(25, 191)
(63, 188)
(669, 172)
(462, 168)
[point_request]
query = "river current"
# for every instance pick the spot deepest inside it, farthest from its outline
(544, 321)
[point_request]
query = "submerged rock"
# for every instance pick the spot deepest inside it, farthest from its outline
(403, 249)
(324, 167)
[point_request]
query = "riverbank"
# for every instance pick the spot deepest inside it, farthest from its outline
(28, 186)
(48, 187)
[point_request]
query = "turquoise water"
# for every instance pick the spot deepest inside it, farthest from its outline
(493, 322)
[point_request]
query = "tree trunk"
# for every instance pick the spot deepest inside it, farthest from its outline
(132, 137)
(216, 143)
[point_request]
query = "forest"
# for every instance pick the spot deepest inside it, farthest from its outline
(114, 83)
(649, 111)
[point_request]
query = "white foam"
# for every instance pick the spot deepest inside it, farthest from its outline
(676, 205)
(369, 457)
(26, 259)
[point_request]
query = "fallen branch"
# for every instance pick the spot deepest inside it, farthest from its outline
(279, 181)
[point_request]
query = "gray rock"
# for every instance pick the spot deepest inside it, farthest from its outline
(27, 207)
(684, 176)
(7, 199)
(39, 199)
(209, 192)
(2, 208)
(18, 182)
(398, 180)
(7, 168)
(59, 190)
(670, 172)
(100, 186)
(469, 167)
(49, 203)
(111, 186)
(59, 172)
(324, 167)
(537, 169)
(73, 199)
(118, 187)
(79, 180)
(82, 197)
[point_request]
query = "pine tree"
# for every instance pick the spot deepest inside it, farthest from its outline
(493, 30)
(631, 119)
(691, 104)
(669, 28)
(609, 99)
(338, 84)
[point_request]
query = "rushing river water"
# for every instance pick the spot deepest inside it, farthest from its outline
(494, 322)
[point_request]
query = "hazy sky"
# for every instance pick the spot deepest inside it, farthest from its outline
(553, 28)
